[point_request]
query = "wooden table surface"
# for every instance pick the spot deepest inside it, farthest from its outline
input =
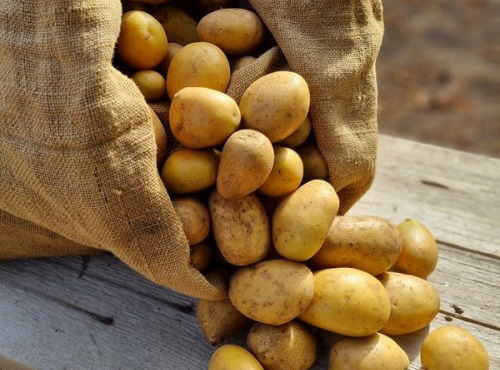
(95, 313)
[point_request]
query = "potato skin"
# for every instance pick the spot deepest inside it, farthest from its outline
(301, 221)
(414, 303)
(179, 27)
(231, 357)
(315, 166)
(273, 291)
(201, 255)
(160, 138)
(368, 243)
(454, 348)
(275, 104)
(375, 352)
(347, 301)
(299, 136)
(240, 227)
(194, 218)
(289, 346)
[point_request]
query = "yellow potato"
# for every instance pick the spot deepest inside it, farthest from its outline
(286, 174)
(179, 27)
(160, 138)
(275, 104)
(150, 83)
(241, 62)
(301, 221)
(201, 117)
(290, 346)
(190, 170)
(300, 135)
(246, 162)
(419, 254)
(368, 243)
(315, 166)
(376, 352)
(236, 31)
(201, 255)
(453, 348)
(194, 217)
(233, 357)
(219, 319)
(240, 228)
(414, 303)
(173, 49)
(347, 301)
(142, 43)
(198, 64)
(272, 292)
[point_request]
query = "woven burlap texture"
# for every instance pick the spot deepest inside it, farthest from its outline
(77, 153)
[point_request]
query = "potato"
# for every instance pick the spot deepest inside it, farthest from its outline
(236, 31)
(219, 319)
(232, 357)
(453, 348)
(160, 138)
(198, 64)
(212, 5)
(419, 254)
(315, 166)
(241, 62)
(286, 174)
(201, 117)
(300, 135)
(201, 255)
(275, 104)
(246, 162)
(173, 49)
(375, 352)
(289, 346)
(301, 221)
(414, 303)
(179, 27)
(150, 83)
(368, 243)
(194, 217)
(190, 170)
(347, 301)
(272, 292)
(142, 43)
(240, 227)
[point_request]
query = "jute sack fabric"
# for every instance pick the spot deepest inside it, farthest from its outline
(77, 153)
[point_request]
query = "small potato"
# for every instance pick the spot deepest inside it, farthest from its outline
(414, 303)
(202, 118)
(142, 43)
(419, 254)
(376, 352)
(150, 83)
(219, 319)
(194, 218)
(368, 243)
(315, 166)
(241, 62)
(160, 138)
(246, 162)
(289, 346)
(240, 227)
(453, 348)
(300, 135)
(190, 170)
(347, 301)
(301, 221)
(286, 174)
(275, 104)
(236, 31)
(201, 255)
(198, 64)
(179, 27)
(233, 357)
(173, 48)
(272, 292)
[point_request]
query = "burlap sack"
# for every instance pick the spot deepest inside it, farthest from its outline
(77, 153)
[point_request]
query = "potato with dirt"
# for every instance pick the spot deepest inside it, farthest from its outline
(194, 218)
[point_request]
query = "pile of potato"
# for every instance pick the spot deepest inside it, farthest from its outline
(250, 188)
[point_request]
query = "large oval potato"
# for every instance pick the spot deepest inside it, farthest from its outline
(347, 301)
(286, 174)
(301, 221)
(232, 357)
(235, 31)
(240, 228)
(315, 166)
(272, 292)
(414, 303)
(246, 162)
(368, 243)
(200, 117)
(194, 217)
(275, 104)
(198, 64)
(179, 27)
(375, 352)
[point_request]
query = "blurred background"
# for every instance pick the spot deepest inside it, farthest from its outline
(439, 73)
